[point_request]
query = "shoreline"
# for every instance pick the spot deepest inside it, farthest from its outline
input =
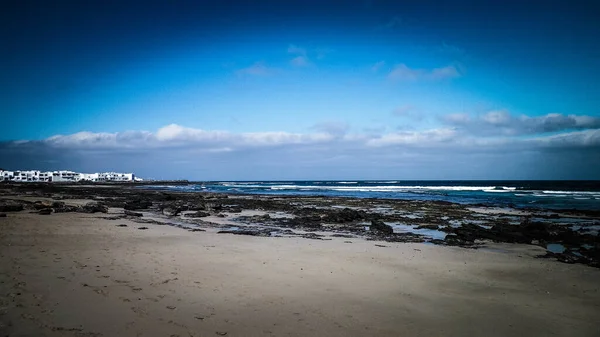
(574, 232)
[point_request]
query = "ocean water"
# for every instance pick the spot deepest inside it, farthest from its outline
(582, 195)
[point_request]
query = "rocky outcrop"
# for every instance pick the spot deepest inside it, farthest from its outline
(132, 213)
(45, 211)
(171, 211)
(137, 204)
(94, 207)
(199, 214)
(11, 206)
(379, 226)
(345, 215)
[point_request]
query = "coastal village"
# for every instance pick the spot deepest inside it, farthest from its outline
(65, 176)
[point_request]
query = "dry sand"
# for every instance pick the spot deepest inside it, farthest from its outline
(76, 274)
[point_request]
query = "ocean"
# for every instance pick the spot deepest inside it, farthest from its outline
(581, 195)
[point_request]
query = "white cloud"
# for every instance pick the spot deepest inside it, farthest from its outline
(257, 69)
(457, 118)
(498, 118)
(444, 72)
(336, 128)
(300, 61)
(375, 67)
(415, 138)
(293, 49)
(329, 148)
(176, 135)
(401, 72)
(502, 122)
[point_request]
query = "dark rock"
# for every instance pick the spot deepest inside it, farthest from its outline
(171, 211)
(11, 206)
(342, 236)
(45, 211)
(143, 228)
(122, 225)
(428, 226)
(197, 230)
(401, 237)
(137, 205)
(301, 222)
(62, 208)
(314, 236)
(344, 215)
(455, 240)
(38, 205)
(94, 207)
(198, 214)
(381, 227)
(131, 213)
(251, 232)
(2, 215)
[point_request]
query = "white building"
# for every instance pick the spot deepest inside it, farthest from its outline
(6, 175)
(113, 176)
(88, 176)
(65, 176)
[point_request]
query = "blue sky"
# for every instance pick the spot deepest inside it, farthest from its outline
(303, 90)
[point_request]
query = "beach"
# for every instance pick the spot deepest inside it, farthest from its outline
(103, 274)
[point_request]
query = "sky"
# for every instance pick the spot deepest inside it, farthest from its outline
(292, 90)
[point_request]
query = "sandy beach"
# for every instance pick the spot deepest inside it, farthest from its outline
(76, 274)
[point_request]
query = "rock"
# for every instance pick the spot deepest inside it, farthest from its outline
(198, 207)
(10, 206)
(2, 215)
(198, 214)
(143, 228)
(455, 240)
(137, 204)
(213, 207)
(94, 207)
(171, 211)
(348, 236)
(428, 226)
(45, 211)
(38, 205)
(345, 215)
(381, 227)
(131, 213)
(251, 232)
(60, 207)
(314, 236)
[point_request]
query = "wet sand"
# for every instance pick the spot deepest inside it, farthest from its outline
(75, 274)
